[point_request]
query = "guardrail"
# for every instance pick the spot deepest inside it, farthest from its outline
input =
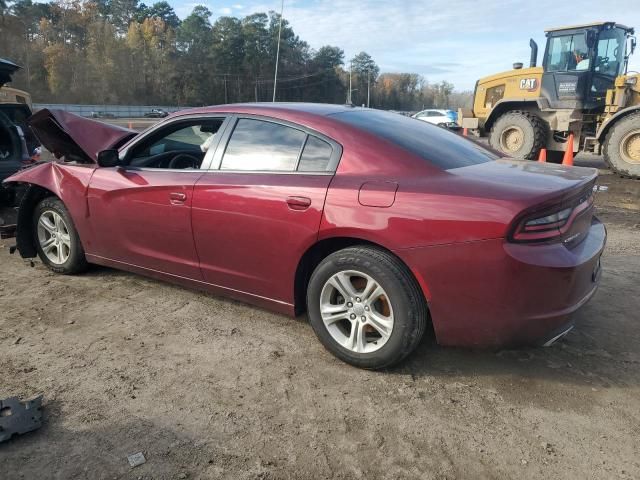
(114, 111)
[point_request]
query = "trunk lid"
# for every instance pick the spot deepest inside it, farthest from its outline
(74, 137)
(532, 191)
(526, 182)
(539, 189)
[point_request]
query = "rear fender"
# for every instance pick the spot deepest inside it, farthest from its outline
(67, 182)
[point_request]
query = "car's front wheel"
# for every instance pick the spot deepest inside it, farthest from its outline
(365, 307)
(56, 238)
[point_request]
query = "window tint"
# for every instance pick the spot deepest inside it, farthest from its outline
(259, 145)
(315, 156)
(436, 145)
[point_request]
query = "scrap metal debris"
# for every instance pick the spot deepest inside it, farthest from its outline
(18, 417)
(136, 459)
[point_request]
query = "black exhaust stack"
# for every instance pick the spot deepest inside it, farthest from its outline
(534, 53)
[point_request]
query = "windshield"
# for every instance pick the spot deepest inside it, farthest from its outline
(434, 144)
(610, 52)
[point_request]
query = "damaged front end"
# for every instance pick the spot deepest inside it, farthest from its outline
(75, 142)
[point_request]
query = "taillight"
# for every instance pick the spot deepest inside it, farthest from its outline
(550, 224)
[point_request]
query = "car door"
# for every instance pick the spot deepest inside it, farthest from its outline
(141, 211)
(259, 208)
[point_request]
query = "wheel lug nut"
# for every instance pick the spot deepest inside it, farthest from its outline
(353, 316)
(349, 304)
(358, 300)
(366, 308)
(363, 318)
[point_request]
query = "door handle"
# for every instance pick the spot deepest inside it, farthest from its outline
(177, 198)
(298, 203)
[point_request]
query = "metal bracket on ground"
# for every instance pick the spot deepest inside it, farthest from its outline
(17, 418)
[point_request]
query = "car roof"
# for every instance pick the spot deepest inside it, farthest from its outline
(322, 109)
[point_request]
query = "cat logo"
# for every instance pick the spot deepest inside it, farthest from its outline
(529, 84)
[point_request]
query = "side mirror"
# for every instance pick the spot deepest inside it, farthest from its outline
(633, 45)
(108, 158)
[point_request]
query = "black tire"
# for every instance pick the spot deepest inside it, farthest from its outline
(617, 139)
(533, 130)
(76, 261)
(407, 303)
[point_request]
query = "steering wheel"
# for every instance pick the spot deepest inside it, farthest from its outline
(184, 160)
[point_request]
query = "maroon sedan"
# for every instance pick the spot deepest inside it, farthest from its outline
(376, 224)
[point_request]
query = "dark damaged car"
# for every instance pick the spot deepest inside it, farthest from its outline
(16, 142)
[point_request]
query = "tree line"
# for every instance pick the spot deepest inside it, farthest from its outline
(125, 52)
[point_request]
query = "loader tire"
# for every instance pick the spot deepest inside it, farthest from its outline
(622, 146)
(518, 134)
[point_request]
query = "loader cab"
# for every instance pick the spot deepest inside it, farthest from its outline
(581, 63)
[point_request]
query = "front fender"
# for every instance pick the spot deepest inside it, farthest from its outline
(67, 182)
(606, 126)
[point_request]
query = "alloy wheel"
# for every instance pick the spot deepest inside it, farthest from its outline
(54, 237)
(356, 311)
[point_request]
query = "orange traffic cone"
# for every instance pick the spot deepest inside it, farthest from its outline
(542, 157)
(465, 132)
(568, 154)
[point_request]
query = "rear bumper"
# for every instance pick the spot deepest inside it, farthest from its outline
(493, 293)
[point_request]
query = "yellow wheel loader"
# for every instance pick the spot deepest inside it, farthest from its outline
(582, 88)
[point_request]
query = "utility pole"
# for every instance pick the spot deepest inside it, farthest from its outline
(350, 71)
(275, 76)
(368, 87)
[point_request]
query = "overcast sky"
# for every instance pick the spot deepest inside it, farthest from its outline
(454, 40)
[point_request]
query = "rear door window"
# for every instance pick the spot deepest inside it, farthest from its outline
(258, 145)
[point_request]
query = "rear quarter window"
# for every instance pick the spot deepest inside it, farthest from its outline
(316, 155)
(434, 144)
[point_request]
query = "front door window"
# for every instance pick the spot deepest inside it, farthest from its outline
(178, 146)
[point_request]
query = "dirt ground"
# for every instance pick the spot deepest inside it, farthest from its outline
(209, 388)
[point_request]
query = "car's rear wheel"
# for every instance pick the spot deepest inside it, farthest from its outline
(365, 307)
(56, 238)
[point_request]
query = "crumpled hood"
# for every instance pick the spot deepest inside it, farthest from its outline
(7, 69)
(75, 137)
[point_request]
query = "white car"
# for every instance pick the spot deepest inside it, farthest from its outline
(437, 117)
